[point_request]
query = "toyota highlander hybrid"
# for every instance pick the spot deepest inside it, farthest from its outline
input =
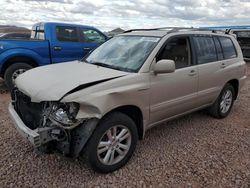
(97, 109)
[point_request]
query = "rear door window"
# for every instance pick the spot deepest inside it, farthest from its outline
(205, 49)
(227, 47)
(66, 34)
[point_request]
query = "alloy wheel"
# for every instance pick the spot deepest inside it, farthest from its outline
(114, 145)
(226, 101)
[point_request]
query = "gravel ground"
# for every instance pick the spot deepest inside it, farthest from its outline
(192, 151)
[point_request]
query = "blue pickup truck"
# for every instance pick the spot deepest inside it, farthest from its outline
(49, 43)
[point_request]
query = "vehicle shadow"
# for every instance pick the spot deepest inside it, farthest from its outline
(3, 87)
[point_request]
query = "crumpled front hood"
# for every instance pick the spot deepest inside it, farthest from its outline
(52, 82)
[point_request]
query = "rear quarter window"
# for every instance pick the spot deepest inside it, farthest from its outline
(227, 47)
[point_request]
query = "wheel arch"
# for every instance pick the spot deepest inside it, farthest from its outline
(135, 114)
(21, 59)
(235, 84)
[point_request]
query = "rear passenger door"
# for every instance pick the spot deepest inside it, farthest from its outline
(174, 93)
(213, 56)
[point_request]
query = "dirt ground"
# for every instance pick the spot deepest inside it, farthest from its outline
(192, 151)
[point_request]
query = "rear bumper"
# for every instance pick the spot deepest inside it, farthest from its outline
(32, 135)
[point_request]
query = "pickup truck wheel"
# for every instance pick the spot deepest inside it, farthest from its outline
(13, 72)
(112, 143)
(223, 105)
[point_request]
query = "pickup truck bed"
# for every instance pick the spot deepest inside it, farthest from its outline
(36, 50)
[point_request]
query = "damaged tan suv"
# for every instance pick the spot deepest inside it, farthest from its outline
(99, 107)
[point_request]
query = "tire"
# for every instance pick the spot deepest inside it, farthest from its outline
(13, 71)
(216, 109)
(126, 127)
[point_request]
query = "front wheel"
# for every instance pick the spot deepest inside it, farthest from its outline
(112, 143)
(223, 105)
(13, 72)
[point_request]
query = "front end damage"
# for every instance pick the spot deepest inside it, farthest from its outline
(51, 126)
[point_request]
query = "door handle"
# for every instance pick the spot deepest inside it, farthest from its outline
(223, 65)
(57, 48)
(192, 73)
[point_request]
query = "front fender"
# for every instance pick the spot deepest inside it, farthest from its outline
(99, 104)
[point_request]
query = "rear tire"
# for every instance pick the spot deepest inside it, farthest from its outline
(223, 104)
(106, 151)
(13, 72)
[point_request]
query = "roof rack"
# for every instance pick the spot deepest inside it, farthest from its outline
(176, 29)
(213, 30)
(158, 28)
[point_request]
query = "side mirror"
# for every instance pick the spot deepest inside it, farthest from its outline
(164, 66)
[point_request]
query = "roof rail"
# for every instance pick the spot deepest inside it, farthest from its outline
(131, 30)
(213, 30)
(203, 29)
(227, 31)
(158, 28)
(176, 29)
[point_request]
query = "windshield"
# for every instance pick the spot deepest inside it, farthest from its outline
(125, 53)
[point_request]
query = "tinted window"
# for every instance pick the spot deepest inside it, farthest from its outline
(227, 47)
(205, 49)
(177, 49)
(92, 36)
(218, 49)
(68, 34)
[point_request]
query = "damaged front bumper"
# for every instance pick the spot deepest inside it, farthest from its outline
(36, 137)
(39, 137)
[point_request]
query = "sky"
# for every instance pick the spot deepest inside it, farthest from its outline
(127, 14)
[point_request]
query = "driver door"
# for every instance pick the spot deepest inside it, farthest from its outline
(174, 93)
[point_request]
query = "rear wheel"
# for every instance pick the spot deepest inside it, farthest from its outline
(112, 143)
(223, 105)
(13, 72)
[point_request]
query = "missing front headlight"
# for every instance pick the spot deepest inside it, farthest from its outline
(65, 113)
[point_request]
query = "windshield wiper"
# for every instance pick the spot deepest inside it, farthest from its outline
(112, 67)
(102, 64)
(84, 60)
(124, 69)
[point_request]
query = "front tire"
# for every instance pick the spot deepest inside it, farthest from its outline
(224, 103)
(13, 72)
(112, 143)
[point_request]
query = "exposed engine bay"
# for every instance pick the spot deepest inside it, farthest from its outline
(55, 122)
